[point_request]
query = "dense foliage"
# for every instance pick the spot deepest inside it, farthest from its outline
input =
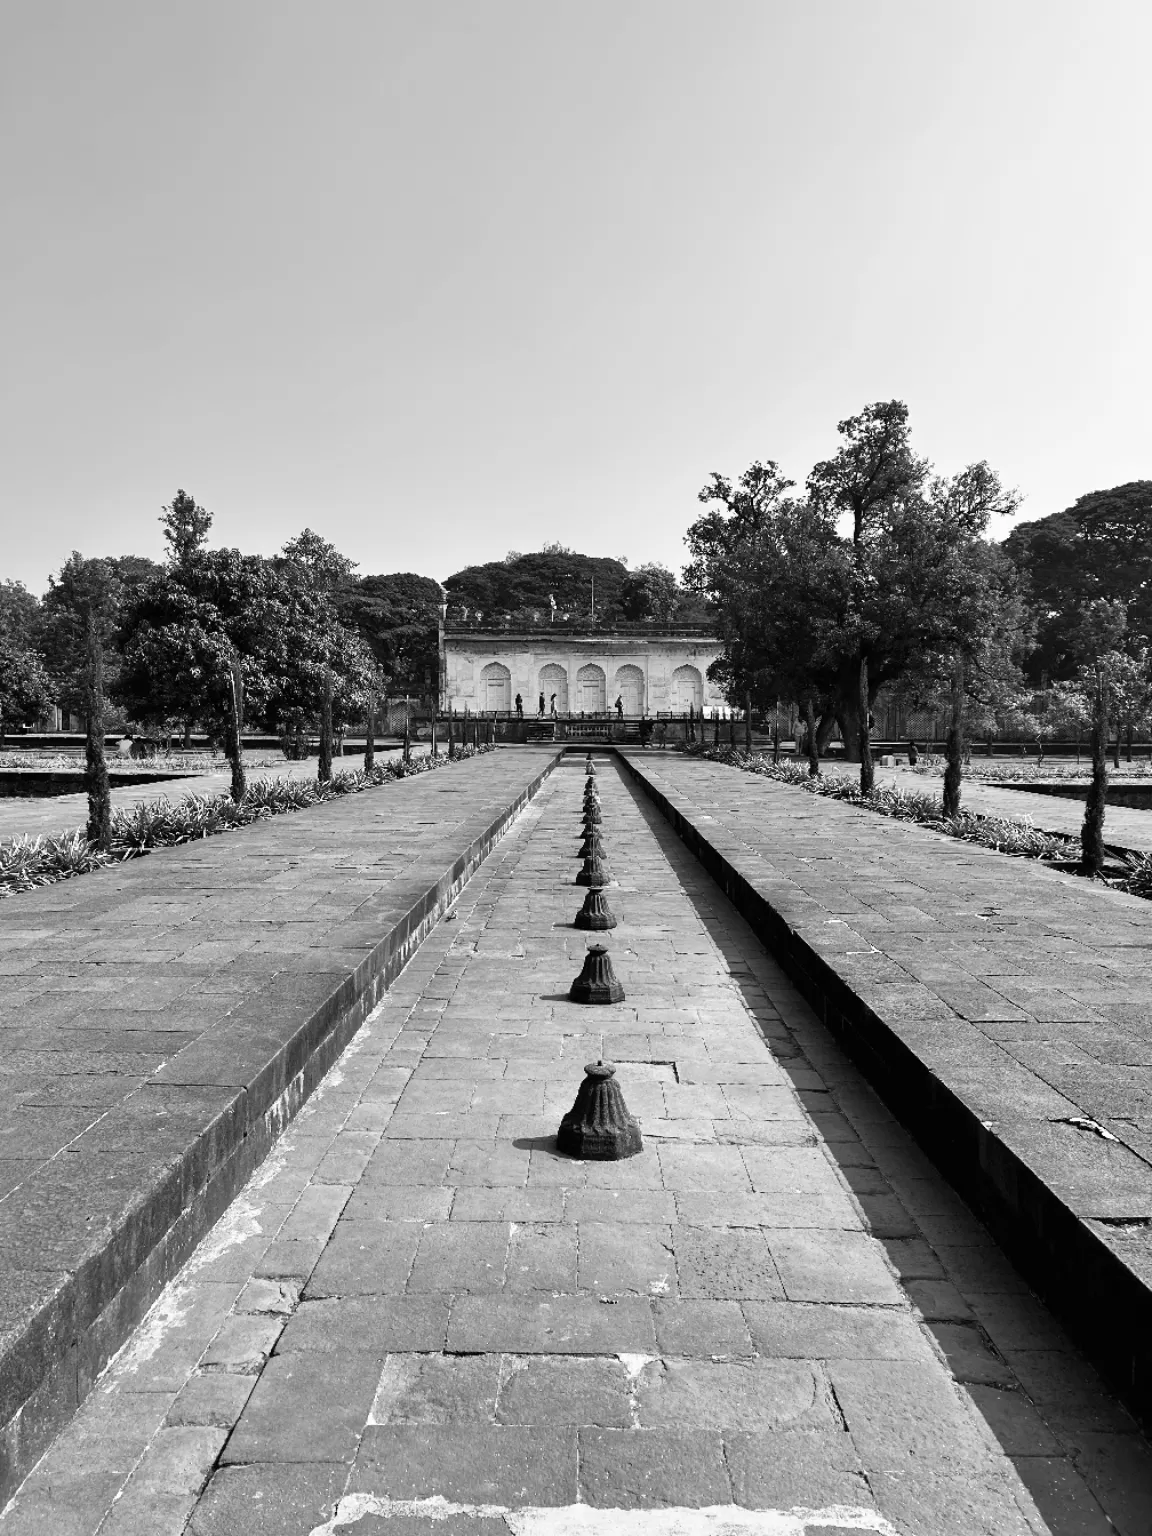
(1100, 548)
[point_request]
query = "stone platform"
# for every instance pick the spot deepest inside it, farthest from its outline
(419, 1319)
(1003, 1010)
(163, 1020)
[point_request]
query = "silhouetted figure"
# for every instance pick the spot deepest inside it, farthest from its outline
(519, 707)
(541, 709)
(619, 708)
(913, 754)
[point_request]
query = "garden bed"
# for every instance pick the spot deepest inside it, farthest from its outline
(27, 862)
(1016, 836)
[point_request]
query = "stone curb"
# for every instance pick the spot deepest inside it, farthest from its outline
(1100, 1295)
(51, 1360)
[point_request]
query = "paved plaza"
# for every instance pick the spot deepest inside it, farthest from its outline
(418, 1319)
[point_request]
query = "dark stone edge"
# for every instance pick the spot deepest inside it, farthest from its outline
(48, 1369)
(1104, 1304)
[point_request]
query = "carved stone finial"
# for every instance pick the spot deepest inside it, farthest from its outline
(599, 1126)
(593, 844)
(592, 817)
(594, 872)
(597, 982)
(595, 913)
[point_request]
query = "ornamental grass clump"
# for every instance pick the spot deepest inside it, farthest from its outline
(27, 862)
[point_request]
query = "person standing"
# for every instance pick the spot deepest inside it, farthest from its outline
(519, 707)
(552, 705)
(541, 709)
(619, 707)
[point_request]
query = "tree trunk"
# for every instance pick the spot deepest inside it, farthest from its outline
(955, 749)
(451, 736)
(748, 723)
(715, 728)
(811, 741)
(324, 767)
(1128, 742)
(187, 735)
(407, 753)
(233, 731)
(1116, 751)
(1092, 832)
(95, 764)
(370, 738)
(867, 768)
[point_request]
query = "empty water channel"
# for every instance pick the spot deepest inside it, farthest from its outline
(421, 1317)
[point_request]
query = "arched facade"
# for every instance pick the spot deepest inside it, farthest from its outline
(496, 686)
(687, 689)
(628, 687)
(591, 689)
(554, 680)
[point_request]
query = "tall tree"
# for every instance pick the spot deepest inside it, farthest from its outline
(1099, 548)
(82, 610)
(186, 527)
(25, 688)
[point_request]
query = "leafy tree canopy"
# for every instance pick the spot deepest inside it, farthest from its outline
(523, 585)
(397, 617)
(1099, 548)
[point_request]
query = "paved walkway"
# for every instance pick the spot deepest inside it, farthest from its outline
(161, 1022)
(62, 813)
(420, 1320)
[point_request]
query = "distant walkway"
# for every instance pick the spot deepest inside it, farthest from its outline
(1122, 827)
(63, 813)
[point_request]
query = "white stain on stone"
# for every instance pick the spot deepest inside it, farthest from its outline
(634, 1364)
(583, 1520)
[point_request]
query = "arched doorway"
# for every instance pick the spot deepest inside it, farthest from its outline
(591, 688)
(629, 688)
(554, 680)
(495, 687)
(687, 690)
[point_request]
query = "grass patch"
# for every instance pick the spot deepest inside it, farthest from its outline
(28, 862)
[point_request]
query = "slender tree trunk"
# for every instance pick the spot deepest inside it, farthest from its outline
(187, 735)
(811, 742)
(955, 749)
(435, 750)
(1092, 833)
(95, 764)
(407, 753)
(370, 739)
(1128, 742)
(776, 735)
(233, 731)
(324, 767)
(748, 723)
(1116, 751)
(867, 768)
(451, 736)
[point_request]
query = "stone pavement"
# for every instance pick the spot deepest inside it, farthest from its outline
(1003, 1007)
(62, 813)
(161, 1022)
(420, 1320)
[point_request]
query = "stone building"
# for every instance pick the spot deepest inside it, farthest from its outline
(653, 668)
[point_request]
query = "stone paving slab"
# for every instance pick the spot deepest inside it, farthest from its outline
(777, 1326)
(162, 1020)
(1003, 1009)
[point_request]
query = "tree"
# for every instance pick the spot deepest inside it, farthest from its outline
(24, 682)
(397, 617)
(876, 571)
(525, 584)
(186, 527)
(650, 592)
(1099, 548)
(326, 669)
(81, 614)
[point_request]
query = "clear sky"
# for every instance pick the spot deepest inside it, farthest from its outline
(446, 279)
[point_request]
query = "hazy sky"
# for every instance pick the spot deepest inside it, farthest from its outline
(442, 280)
